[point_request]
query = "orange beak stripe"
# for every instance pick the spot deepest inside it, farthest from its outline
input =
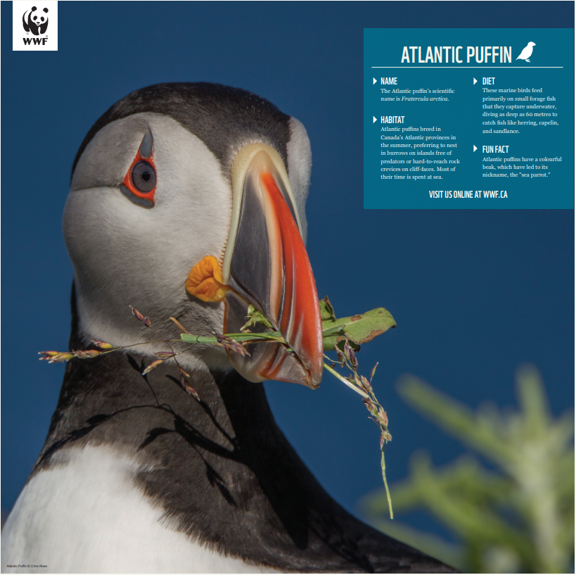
(300, 321)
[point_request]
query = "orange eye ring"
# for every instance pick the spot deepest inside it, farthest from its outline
(140, 179)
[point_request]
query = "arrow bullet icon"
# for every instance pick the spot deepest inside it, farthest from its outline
(374, 81)
(475, 148)
(475, 81)
(373, 119)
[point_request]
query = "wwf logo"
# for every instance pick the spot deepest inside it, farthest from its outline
(35, 25)
(35, 21)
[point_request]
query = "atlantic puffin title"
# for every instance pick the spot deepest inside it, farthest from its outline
(455, 55)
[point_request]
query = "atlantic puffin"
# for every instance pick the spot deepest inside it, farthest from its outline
(187, 201)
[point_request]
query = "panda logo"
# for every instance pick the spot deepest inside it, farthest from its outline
(35, 21)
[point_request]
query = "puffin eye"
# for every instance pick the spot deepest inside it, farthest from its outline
(139, 183)
(143, 177)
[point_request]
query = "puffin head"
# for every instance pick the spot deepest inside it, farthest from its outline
(187, 200)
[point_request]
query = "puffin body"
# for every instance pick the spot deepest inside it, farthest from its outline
(187, 201)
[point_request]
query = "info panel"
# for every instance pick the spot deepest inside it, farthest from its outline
(468, 118)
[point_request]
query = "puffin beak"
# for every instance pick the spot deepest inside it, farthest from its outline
(266, 265)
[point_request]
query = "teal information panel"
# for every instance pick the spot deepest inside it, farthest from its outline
(469, 118)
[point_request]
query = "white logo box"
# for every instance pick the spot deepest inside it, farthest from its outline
(35, 25)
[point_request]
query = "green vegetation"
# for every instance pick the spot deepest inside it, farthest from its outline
(517, 516)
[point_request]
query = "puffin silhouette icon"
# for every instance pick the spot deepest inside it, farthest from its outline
(527, 52)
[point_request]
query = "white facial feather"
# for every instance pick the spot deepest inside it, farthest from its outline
(125, 254)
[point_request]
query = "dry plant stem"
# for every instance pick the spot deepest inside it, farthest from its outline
(345, 381)
(388, 497)
(348, 359)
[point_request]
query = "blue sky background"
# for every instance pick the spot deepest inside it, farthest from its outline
(475, 293)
